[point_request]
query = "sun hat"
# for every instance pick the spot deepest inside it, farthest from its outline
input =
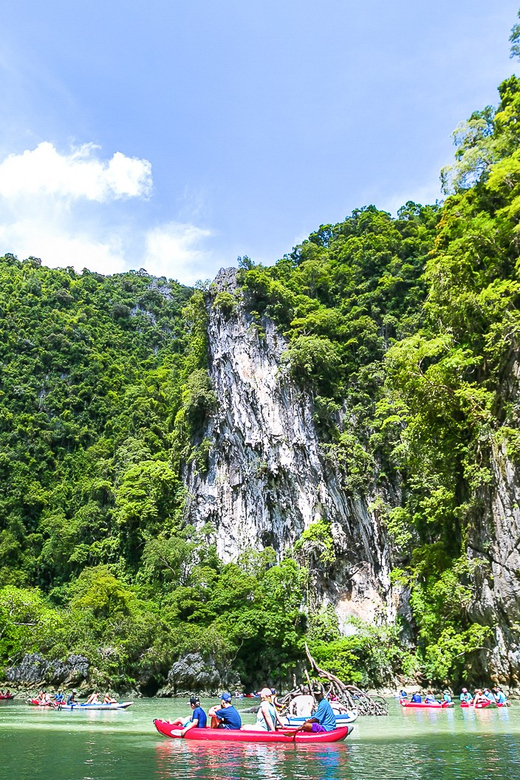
(225, 696)
(265, 692)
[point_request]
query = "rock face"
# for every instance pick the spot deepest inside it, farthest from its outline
(495, 541)
(34, 670)
(193, 672)
(267, 480)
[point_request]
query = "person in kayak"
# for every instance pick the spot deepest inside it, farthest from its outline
(446, 697)
(72, 697)
(302, 704)
(465, 696)
(479, 698)
(59, 699)
(500, 696)
(93, 698)
(225, 716)
(430, 698)
(109, 699)
(416, 698)
(267, 717)
(490, 696)
(198, 718)
(324, 718)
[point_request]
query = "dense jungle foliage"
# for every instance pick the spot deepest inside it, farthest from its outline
(403, 330)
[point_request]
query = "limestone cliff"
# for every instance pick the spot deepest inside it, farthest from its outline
(266, 479)
(494, 545)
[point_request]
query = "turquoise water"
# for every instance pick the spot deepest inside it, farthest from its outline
(123, 745)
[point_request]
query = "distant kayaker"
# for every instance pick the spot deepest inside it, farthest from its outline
(225, 716)
(417, 698)
(430, 698)
(500, 696)
(59, 699)
(324, 718)
(93, 698)
(479, 698)
(490, 696)
(108, 699)
(465, 696)
(446, 697)
(72, 697)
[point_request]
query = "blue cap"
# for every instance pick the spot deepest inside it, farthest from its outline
(225, 696)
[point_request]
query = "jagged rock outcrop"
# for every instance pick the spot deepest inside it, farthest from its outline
(35, 670)
(193, 672)
(267, 479)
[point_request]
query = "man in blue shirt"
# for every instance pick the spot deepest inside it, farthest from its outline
(324, 718)
(198, 716)
(227, 717)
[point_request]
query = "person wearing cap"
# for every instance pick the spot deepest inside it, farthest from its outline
(225, 716)
(267, 716)
(446, 697)
(72, 697)
(198, 716)
(324, 718)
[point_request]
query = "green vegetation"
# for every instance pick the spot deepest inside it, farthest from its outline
(404, 331)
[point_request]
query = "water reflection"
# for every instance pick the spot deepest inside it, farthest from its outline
(245, 761)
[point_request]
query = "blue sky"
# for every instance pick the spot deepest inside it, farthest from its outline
(175, 135)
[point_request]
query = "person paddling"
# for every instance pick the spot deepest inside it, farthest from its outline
(324, 718)
(225, 716)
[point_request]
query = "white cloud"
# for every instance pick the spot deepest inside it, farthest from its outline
(58, 207)
(79, 174)
(174, 250)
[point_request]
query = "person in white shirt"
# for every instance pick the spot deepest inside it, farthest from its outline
(303, 704)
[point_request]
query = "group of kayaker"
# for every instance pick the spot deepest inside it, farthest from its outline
(226, 716)
(481, 697)
(484, 696)
(57, 700)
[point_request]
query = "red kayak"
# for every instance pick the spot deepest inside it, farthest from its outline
(39, 703)
(6, 696)
(427, 705)
(480, 706)
(226, 735)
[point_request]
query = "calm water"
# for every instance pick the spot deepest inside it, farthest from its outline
(124, 745)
